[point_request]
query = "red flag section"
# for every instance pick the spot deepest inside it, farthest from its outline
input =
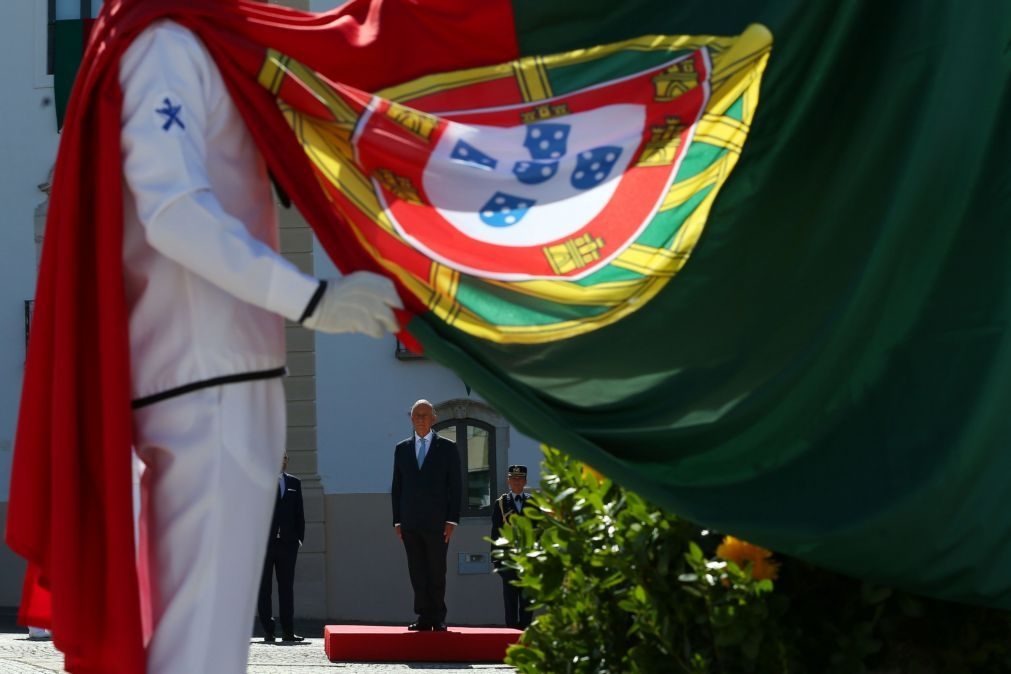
(70, 502)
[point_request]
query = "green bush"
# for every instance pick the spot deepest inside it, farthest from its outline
(621, 586)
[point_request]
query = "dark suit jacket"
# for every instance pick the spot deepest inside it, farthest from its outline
(289, 513)
(502, 511)
(425, 499)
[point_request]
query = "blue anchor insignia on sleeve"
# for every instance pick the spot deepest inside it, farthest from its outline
(171, 113)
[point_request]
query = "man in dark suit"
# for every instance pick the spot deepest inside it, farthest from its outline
(427, 484)
(287, 531)
(511, 504)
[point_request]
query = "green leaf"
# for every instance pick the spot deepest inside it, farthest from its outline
(694, 552)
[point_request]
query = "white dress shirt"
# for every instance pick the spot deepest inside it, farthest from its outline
(205, 285)
(417, 445)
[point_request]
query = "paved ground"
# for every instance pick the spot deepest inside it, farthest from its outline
(18, 655)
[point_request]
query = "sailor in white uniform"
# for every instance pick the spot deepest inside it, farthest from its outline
(208, 294)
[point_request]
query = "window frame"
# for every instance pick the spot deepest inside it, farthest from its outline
(45, 37)
(460, 424)
(42, 77)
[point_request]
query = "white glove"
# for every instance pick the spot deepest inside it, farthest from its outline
(359, 302)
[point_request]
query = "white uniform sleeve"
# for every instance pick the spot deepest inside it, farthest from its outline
(166, 78)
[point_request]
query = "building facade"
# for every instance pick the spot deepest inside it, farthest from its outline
(348, 397)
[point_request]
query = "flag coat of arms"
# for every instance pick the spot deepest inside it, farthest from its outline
(541, 198)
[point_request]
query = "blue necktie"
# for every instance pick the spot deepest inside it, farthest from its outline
(421, 453)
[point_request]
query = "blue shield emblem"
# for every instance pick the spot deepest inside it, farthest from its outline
(547, 141)
(534, 172)
(593, 166)
(505, 210)
(466, 153)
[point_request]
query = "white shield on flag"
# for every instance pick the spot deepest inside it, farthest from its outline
(460, 191)
(505, 193)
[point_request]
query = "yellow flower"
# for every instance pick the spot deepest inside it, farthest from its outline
(741, 552)
(587, 471)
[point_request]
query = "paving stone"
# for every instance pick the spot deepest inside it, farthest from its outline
(18, 655)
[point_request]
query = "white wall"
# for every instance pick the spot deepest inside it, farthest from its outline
(323, 5)
(27, 148)
(363, 397)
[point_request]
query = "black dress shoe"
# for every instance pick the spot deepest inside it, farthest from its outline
(439, 627)
(269, 638)
(419, 627)
(292, 638)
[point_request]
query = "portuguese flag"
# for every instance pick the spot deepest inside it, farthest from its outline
(751, 260)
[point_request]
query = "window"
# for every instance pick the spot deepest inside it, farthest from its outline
(475, 441)
(482, 438)
(50, 30)
(59, 10)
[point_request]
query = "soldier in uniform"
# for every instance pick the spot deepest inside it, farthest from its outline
(512, 504)
(208, 293)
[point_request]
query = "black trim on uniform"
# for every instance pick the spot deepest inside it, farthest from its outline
(313, 302)
(206, 383)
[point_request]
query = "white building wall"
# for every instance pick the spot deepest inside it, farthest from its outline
(363, 397)
(28, 143)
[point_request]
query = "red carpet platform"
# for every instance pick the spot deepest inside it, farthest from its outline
(371, 643)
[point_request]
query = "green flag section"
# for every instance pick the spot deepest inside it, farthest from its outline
(829, 373)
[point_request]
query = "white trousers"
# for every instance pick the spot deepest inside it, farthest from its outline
(211, 459)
